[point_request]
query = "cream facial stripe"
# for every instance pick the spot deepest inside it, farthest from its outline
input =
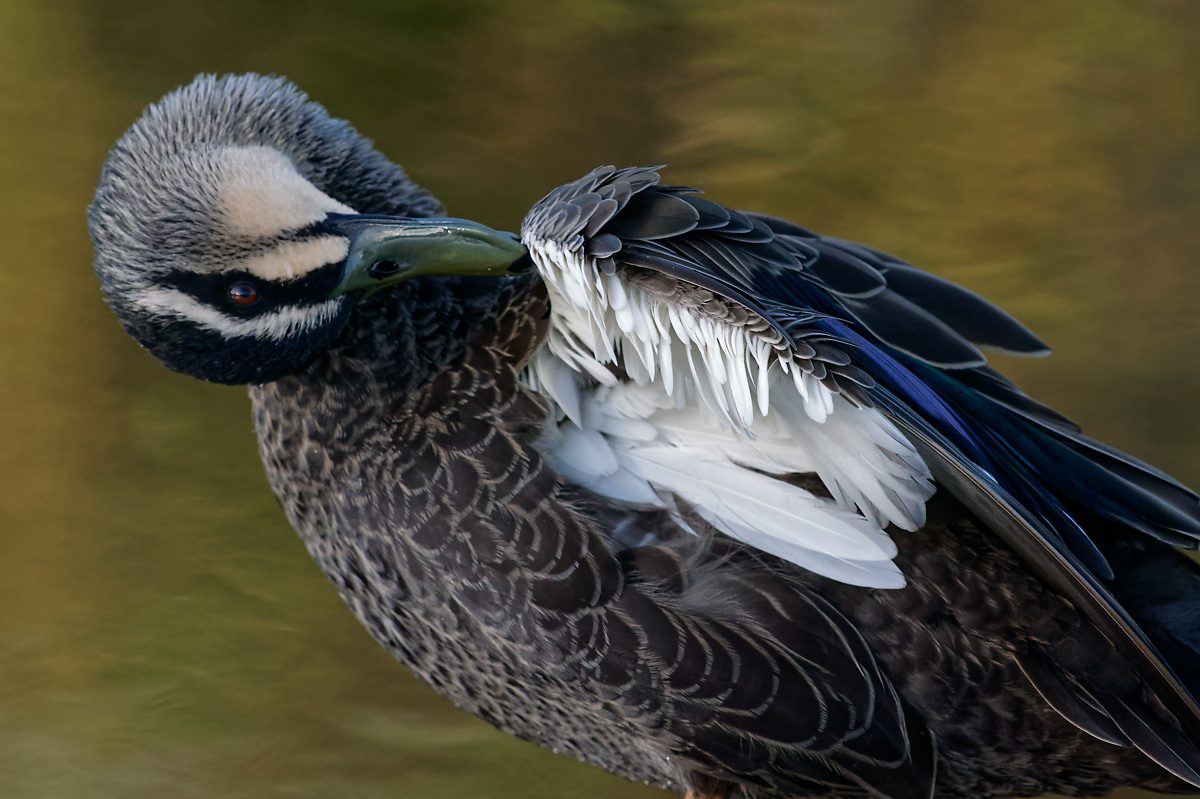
(262, 195)
(289, 260)
(276, 325)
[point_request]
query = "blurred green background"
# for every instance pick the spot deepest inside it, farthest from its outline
(163, 633)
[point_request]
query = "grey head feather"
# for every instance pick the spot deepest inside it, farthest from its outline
(155, 189)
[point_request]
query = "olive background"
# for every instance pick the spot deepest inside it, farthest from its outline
(162, 631)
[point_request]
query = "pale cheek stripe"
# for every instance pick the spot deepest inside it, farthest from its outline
(275, 326)
(292, 259)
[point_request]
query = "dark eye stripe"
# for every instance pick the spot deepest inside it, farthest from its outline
(213, 288)
(309, 232)
(314, 230)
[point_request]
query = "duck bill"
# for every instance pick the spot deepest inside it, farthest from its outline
(385, 250)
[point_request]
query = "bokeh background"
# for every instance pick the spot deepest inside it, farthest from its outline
(163, 633)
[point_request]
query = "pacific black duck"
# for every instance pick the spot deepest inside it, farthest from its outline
(698, 496)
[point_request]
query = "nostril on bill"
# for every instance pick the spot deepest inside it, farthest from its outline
(384, 268)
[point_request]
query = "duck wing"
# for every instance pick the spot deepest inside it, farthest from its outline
(698, 355)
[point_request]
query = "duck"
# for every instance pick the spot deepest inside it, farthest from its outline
(692, 494)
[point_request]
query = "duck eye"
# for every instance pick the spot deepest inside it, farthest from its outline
(243, 293)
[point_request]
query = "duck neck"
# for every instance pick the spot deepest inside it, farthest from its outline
(376, 450)
(399, 339)
(406, 361)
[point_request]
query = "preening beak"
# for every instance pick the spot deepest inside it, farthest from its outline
(387, 249)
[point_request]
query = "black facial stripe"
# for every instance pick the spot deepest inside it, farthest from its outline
(213, 288)
(313, 230)
(310, 232)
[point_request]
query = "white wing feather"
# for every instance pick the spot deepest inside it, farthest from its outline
(710, 415)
